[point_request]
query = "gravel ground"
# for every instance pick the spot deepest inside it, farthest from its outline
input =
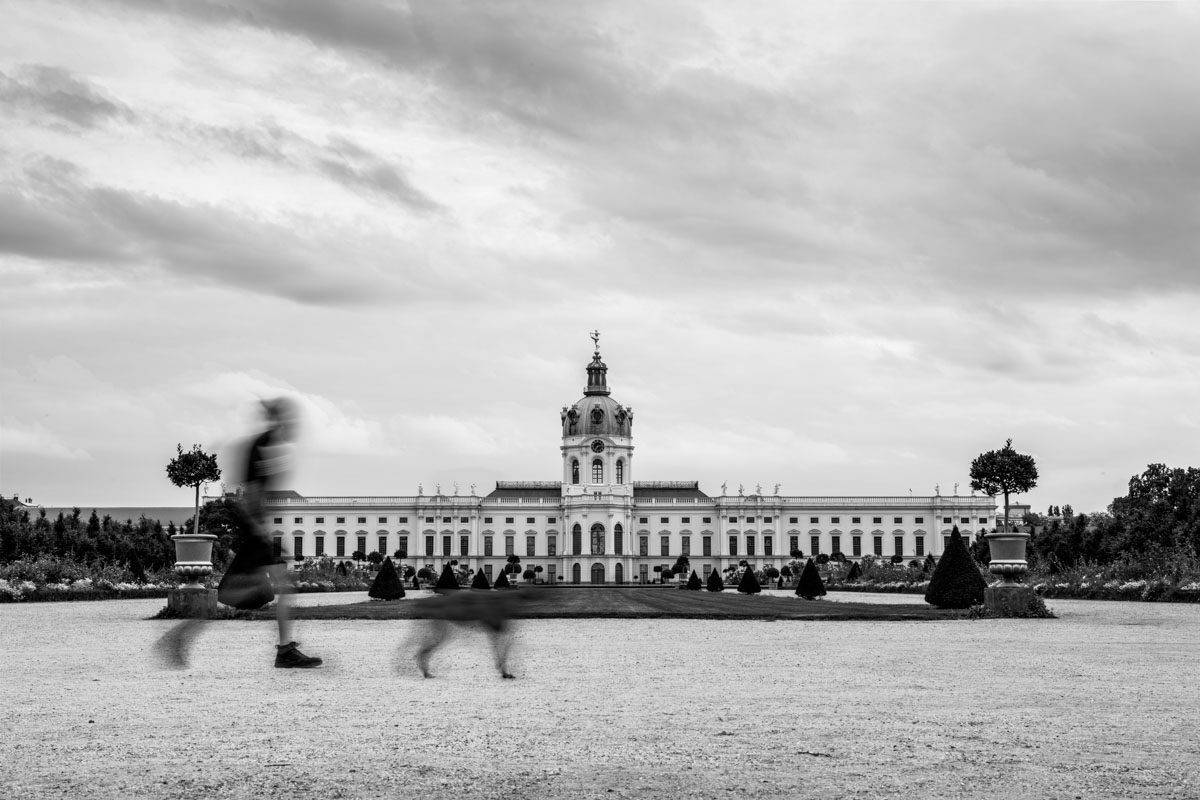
(1101, 703)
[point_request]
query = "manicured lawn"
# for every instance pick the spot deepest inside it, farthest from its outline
(642, 603)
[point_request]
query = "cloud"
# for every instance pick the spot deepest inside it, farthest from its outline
(51, 212)
(340, 159)
(35, 440)
(60, 94)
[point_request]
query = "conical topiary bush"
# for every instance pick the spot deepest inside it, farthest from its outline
(446, 581)
(855, 572)
(715, 584)
(694, 582)
(387, 584)
(811, 586)
(481, 580)
(501, 581)
(749, 583)
(956, 581)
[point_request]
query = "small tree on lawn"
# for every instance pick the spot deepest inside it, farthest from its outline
(956, 581)
(193, 469)
(537, 572)
(929, 564)
(341, 569)
(446, 581)
(1003, 471)
(513, 567)
(387, 584)
(749, 583)
(502, 580)
(681, 565)
(480, 581)
(715, 584)
(811, 586)
(797, 553)
(855, 572)
(359, 555)
(375, 557)
(528, 575)
(694, 582)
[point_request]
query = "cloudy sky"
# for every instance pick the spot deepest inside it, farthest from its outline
(844, 248)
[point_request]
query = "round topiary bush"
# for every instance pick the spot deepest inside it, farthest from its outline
(387, 584)
(956, 581)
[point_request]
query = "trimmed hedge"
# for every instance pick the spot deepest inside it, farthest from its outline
(480, 581)
(694, 582)
(446, 581)
(387, 584)
(501, 581)
(749, 583)
(810, 586)
(715, 584)
(956, 581)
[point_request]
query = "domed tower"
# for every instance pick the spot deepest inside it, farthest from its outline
(597, 486)
(597, 438)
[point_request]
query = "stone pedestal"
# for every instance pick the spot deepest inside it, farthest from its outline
(1008, 599)
(189, 602)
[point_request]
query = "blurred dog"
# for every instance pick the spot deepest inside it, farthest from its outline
(491, 610)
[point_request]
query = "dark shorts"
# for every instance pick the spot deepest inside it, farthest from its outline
(252, 550)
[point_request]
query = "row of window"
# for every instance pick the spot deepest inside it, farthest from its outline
(738, 545)
(663, 520)
(363, 520)
(597, 471)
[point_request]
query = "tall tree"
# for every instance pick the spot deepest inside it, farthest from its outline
(1003, 471)
(193, 468)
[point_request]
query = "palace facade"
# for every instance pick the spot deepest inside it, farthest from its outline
(599, 525)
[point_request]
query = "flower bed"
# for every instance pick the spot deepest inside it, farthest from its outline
(85, 589)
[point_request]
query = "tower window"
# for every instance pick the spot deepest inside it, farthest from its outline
(620, 470)
(597, 471)
(574, 470)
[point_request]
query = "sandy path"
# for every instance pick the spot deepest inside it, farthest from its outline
(1101, 704)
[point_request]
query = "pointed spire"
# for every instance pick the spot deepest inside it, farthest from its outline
(597, 372)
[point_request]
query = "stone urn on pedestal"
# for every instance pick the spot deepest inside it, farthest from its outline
(1007, 563)
(193, 563)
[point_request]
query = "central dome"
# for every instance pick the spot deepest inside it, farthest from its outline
(596, 413)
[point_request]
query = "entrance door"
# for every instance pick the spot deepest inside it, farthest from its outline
(550, 577)
(576, 573)
(619, 574)
(597, 573)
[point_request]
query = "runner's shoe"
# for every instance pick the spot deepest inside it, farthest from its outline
(288, 656)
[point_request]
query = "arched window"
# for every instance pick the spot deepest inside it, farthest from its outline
(620, 470)
(618, 535)
(597, 471)
(597, 539)
(574, 470)
(577, 539)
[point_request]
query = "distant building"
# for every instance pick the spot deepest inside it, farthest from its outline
(597, 524)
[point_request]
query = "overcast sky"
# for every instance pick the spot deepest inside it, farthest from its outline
(844, 248)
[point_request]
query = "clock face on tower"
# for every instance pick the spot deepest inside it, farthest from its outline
(597, 446)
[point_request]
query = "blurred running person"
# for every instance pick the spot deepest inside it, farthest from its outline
(256, 575)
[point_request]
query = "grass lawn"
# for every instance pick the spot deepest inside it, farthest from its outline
(640, 603)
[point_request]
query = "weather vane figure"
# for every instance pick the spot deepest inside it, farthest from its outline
(596, 340)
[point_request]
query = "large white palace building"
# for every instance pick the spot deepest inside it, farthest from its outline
(597, 524)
